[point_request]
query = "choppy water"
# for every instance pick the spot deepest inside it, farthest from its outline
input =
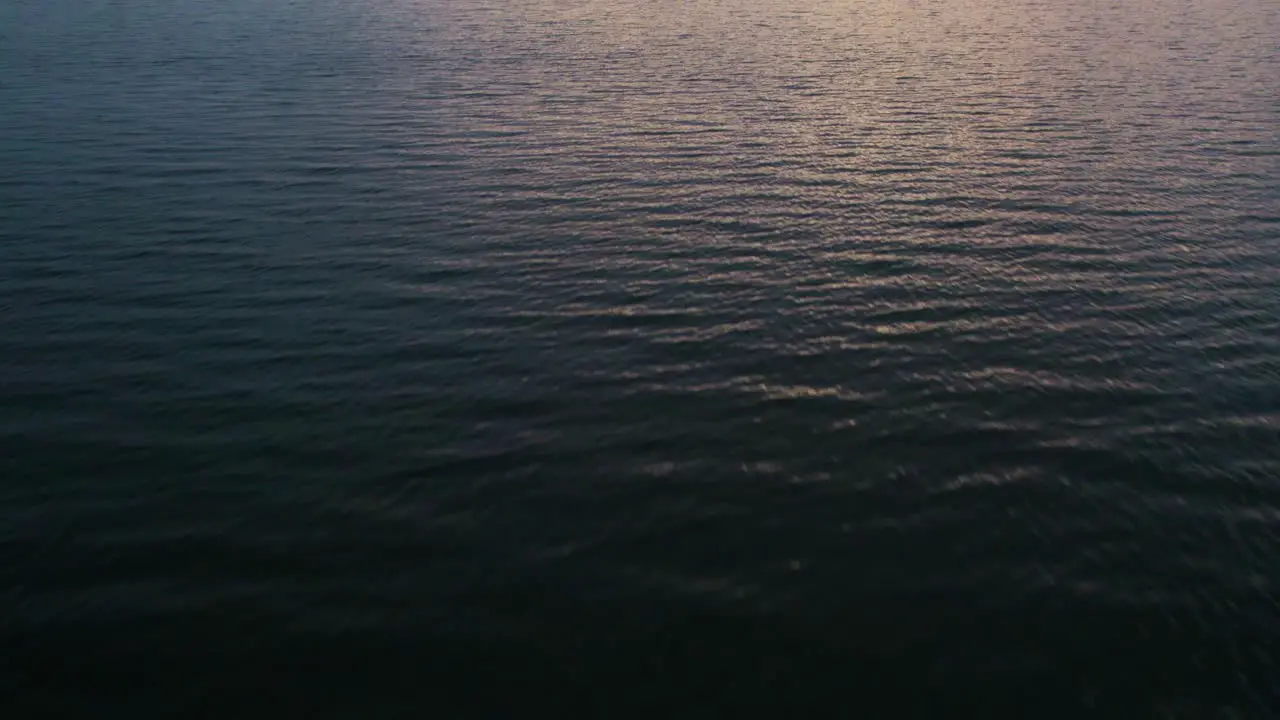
(901, 356)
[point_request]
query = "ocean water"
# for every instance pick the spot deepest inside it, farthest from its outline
(403, 358)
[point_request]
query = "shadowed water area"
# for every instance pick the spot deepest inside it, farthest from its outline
(411, 358)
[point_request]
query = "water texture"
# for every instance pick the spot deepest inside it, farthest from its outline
(894, 355)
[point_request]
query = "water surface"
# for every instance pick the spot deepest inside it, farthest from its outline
(903, 356)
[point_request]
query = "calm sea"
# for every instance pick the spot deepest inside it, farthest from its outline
(466, 358)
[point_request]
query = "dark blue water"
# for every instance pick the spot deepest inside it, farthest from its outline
(670, 359)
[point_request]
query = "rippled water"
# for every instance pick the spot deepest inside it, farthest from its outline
(896, 355)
